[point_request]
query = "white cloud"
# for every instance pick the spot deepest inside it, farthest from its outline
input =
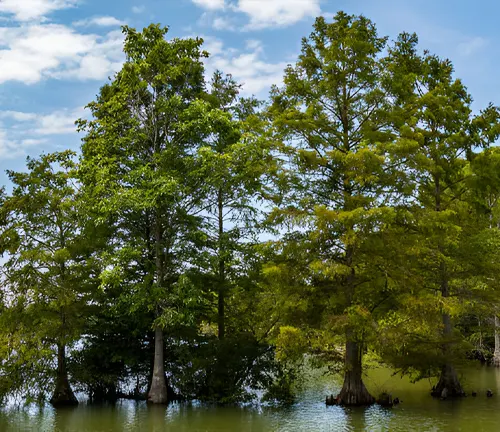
(138, 9)
(104, 59)
(40, 51)
(9, 149)
(249, 66)
(208, 19)
(262, 13)
(100, 21)
(17, 116)
(253, 44)
(213, 45)
(471, 45)
(222, 23)
(277, 13)
(210, 4)
(32, 142)
(56, 123)
(27, 10)
(21, 131)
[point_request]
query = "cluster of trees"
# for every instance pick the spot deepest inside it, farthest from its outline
(204, 245)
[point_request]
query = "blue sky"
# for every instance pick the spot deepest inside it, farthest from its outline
(55, 54)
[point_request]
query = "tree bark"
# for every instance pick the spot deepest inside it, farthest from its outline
(496, 354)
(449, 378)
(354, 392)
(222, 270)
(158, 391)
(449, 381)
(63, 394)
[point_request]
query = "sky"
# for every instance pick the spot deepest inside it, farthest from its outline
(56, 54)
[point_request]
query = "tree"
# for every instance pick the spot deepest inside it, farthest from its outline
(113, 357)
(437, 134)
(484, 192)
(48, 272)
(139, 166)
(332, 116)
(235, 163)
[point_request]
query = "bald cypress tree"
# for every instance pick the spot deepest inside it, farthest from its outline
(331, 118)
(437, 135)
(139, 168)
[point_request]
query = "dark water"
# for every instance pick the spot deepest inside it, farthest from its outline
(417, 412)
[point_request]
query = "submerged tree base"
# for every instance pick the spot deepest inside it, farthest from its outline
(354, 392)
(159, 398)
(496, 359)
(448, 385)
(360, 397)
(158, 394)
(63, 396)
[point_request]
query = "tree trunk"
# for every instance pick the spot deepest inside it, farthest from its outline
(222, 270)
(354, 392)
(448, 381)
(158, 391)
(63, 394)
(448, 384)
(496, 355)
(221, 314)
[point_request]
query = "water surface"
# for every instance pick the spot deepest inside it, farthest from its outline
(417, 412)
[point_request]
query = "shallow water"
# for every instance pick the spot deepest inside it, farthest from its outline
(417, 412)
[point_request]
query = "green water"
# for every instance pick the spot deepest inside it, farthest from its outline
(417, 412)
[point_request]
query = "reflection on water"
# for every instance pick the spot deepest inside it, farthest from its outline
(418, 412)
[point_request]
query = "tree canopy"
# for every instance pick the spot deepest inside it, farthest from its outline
(207, 245)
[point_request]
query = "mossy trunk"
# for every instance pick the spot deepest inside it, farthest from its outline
(158, 390)
(354, 392)
(63, 394)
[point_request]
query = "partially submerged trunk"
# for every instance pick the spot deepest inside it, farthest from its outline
(354, 392)
(448, 384)
(158, 390)
(496, 354)
(157, 393)
(63, 394)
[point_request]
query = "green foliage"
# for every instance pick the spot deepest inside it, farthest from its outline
(436, 135)
(376, 182)
(47, 275)
(330, 120)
